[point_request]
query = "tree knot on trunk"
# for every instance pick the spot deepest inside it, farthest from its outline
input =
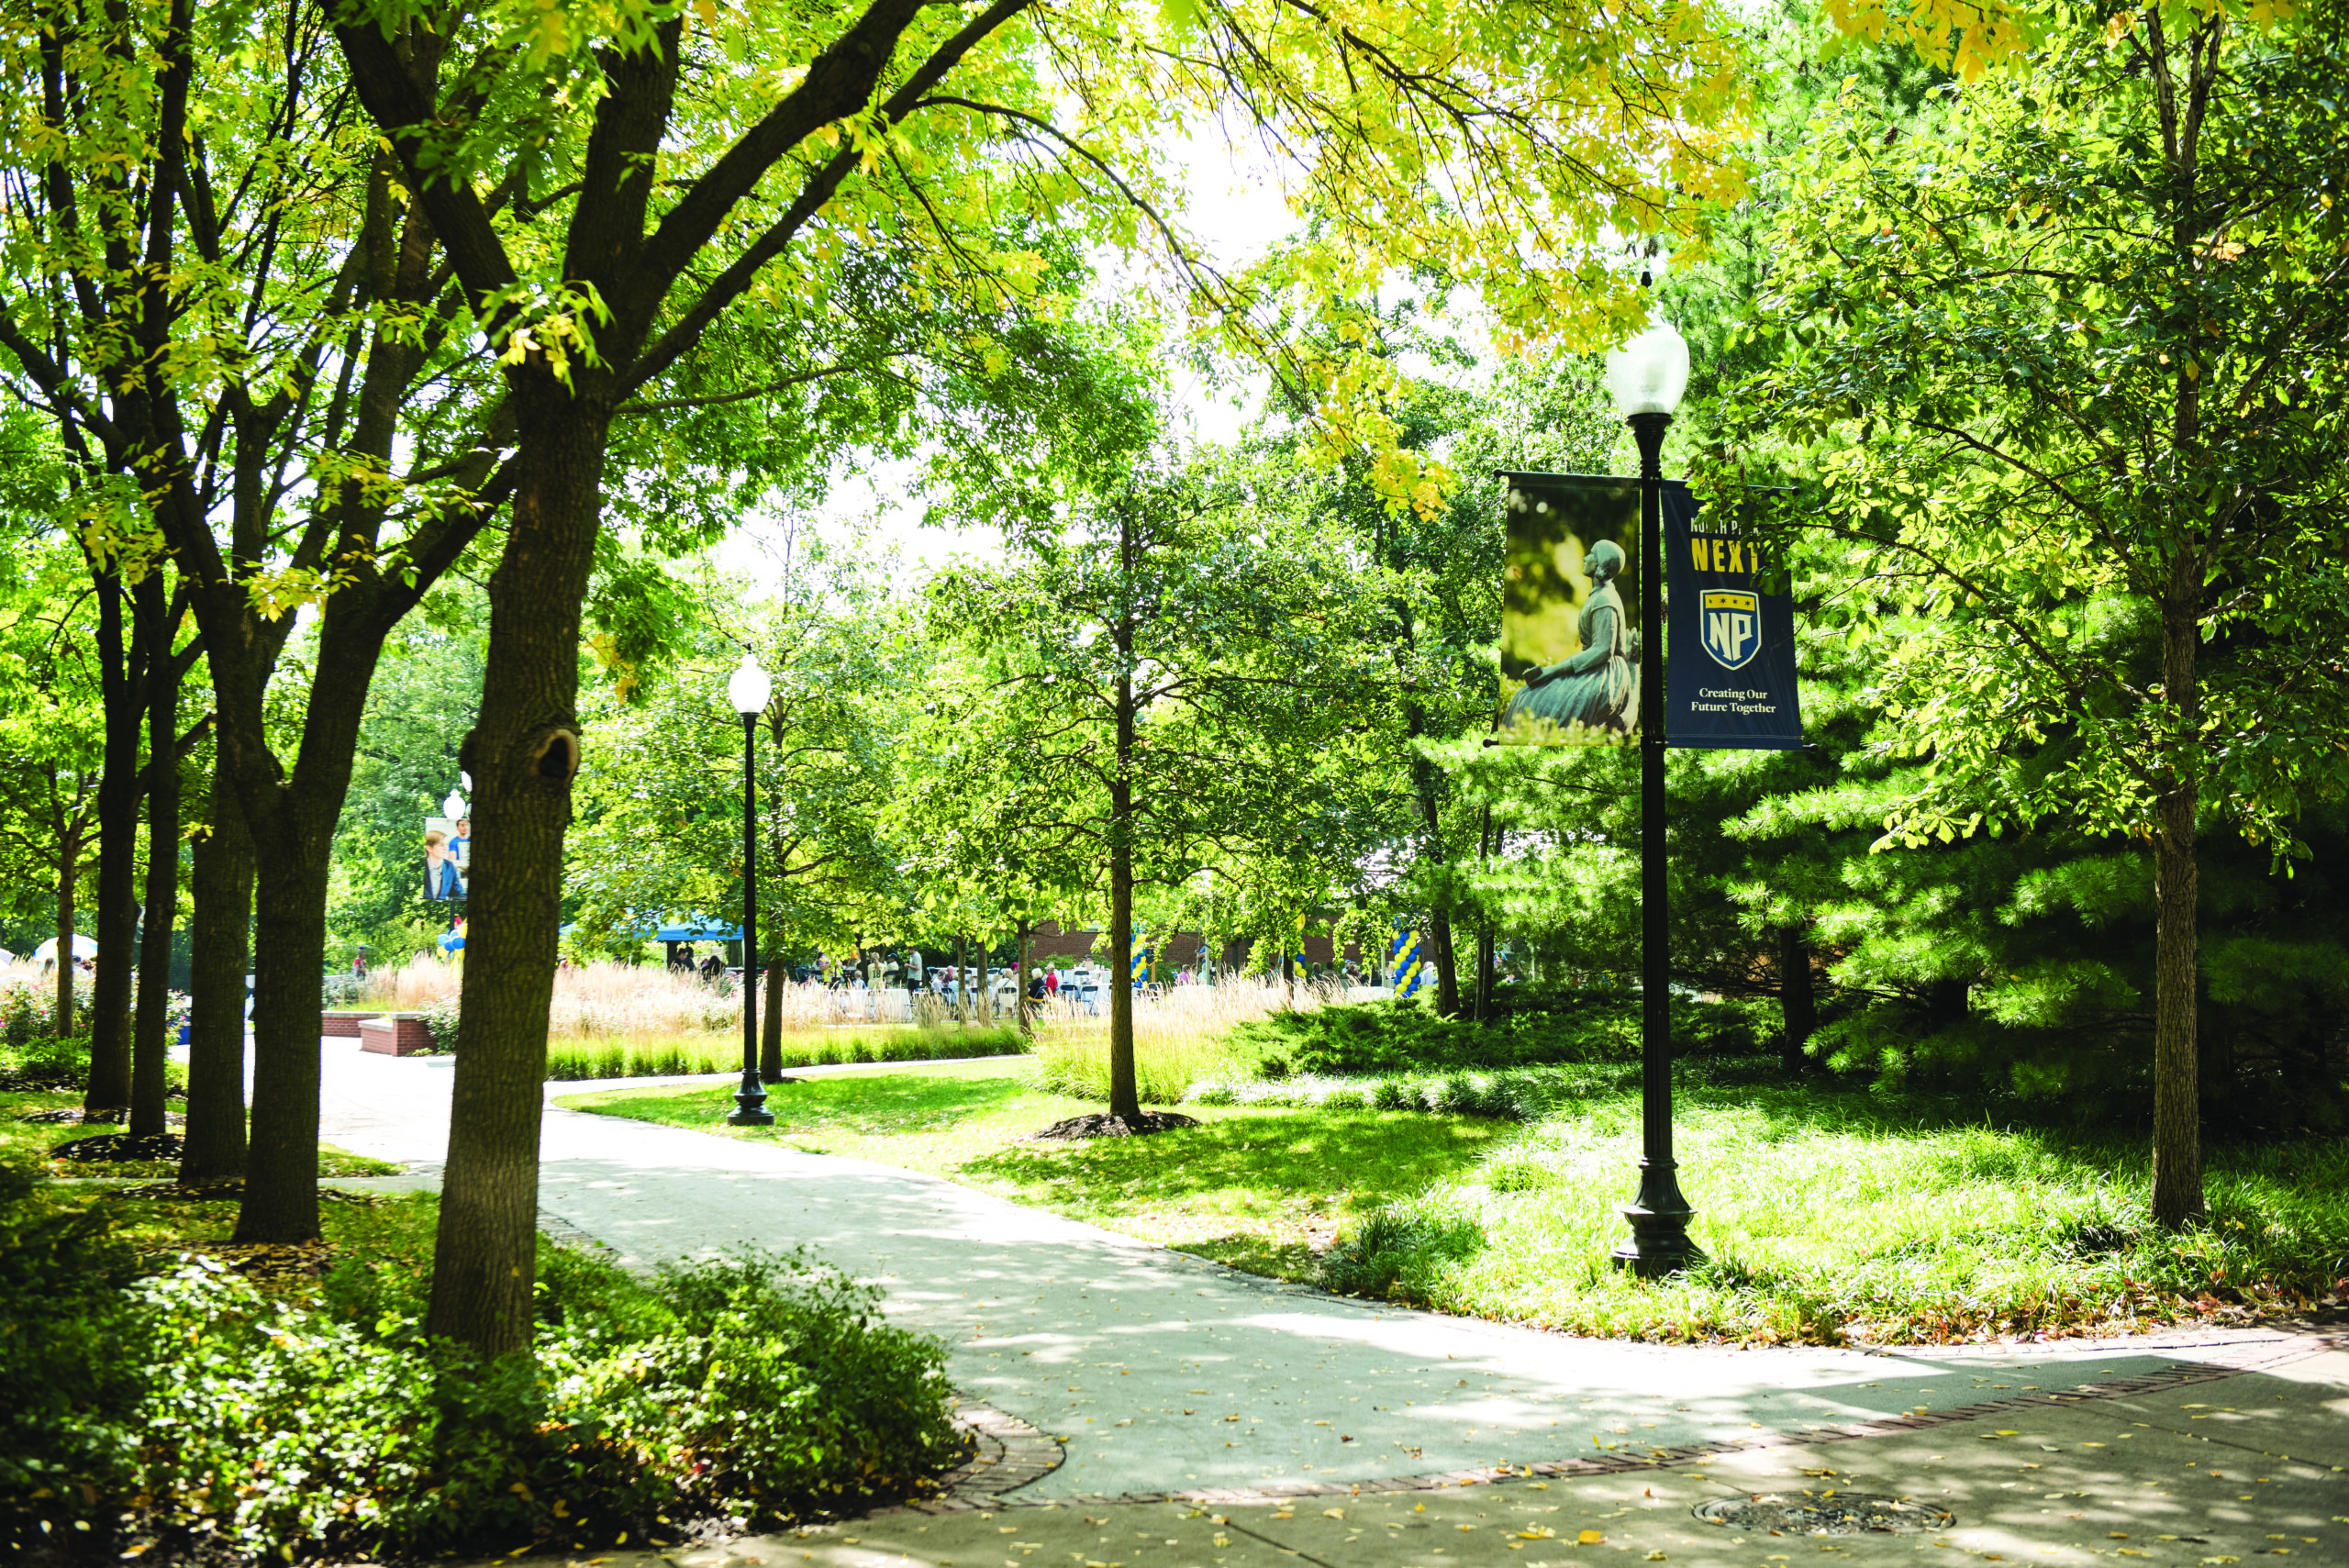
(556, 757)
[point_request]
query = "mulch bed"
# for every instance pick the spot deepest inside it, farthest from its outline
(1827, 1513)
(228, 1189)
(265, 1263)
(74, 1115)
(1100, 1124)
(113, 1148)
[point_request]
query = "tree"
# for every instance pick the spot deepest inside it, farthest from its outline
(2073, 348)
(1153, 688)
(51, 745)
(661, 829)
(689, 190)
(224, 308)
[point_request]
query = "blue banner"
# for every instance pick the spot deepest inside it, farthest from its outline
(1730, 677)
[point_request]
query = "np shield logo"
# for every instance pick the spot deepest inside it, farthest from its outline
(1732, 626)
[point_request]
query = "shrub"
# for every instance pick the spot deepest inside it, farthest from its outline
(1533, 1028)
(440, 1015)
(569, 1060)
(755, 1388)
(67, 1342)
(1389, 1251)
(28, 1004)
(46, 1065)
(342, 990)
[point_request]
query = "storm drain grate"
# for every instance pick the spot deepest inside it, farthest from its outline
(1827, 1513)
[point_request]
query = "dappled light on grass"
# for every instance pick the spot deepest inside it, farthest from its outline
(1826, 1215)
(1824, 1219)
(1263, 1189)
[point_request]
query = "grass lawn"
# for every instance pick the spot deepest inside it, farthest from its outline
(1259, 1188)
(26, 1142)
(1826, 1215)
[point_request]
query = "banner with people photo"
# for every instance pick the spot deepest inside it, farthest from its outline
(447, 858)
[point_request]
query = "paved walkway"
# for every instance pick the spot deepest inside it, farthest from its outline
(1163, 1373)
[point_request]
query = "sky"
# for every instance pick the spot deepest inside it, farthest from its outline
(1236, 207)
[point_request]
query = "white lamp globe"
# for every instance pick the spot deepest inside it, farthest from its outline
(454, 805)
(1648, 375)
(749, 688)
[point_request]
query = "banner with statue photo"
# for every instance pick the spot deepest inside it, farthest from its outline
(1571, 642)
(1730, 681)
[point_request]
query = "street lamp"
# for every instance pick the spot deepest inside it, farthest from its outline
(1645, 377)
(748, 689)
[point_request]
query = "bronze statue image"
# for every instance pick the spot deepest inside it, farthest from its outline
(1570, 638)
(1599, 686)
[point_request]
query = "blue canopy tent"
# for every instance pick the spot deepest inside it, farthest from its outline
(675, 935)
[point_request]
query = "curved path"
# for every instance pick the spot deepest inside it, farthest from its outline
(1165, 1374)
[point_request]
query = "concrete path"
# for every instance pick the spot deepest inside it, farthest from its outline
(1163, 1373)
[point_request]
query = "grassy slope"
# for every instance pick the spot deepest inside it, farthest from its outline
(29, 1142)
(1826, 1215)
(1259, 1189)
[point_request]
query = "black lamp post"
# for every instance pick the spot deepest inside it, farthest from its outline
(748, 689)
(1646, 377)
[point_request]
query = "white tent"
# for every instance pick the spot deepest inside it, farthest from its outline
(83, 948)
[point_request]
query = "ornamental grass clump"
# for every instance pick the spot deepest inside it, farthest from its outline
(192, 1410)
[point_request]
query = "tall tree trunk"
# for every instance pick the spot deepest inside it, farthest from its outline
(1019, 984)
(222, 882)
(1447, 966)
(118, 923)
(2177, 1107)
(1484, 941)
(770, 1027)
(281, 1202)
(982, 1004)
(149, 1049)
(2178, 1097)
(961, 987)
(69, 873)
(1481, 1008)
(1798, 1004)
(523, 755)
(1125, 1097)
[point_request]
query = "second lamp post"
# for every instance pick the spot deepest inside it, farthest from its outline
(747, 688)
(1645, 378)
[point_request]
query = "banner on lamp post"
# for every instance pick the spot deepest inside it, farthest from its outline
(1570, 640)
(1729, 684)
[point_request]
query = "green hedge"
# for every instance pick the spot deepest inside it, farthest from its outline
(1533, 1030)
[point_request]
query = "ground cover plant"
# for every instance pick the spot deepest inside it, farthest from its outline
(168, 1400)
(1828, 1215)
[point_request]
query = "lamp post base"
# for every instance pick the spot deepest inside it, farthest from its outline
(751, 1105)
(1659, 1219)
